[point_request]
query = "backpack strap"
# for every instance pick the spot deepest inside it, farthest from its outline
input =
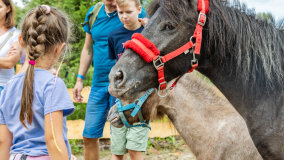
(92, 18)
(94, 14)
(6, 39)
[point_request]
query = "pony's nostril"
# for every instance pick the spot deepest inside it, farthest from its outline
(119, 76)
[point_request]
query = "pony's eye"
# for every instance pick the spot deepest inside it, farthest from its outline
(169, 27)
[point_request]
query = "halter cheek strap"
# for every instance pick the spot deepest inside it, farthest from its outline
(150, 53)
(136, 106)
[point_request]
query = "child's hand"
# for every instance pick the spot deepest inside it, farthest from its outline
(143, 21)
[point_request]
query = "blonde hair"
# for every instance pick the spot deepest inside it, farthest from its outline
(41, 32)
(9, 19)
(122, 2)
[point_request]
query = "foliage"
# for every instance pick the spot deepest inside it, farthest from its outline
(76, 10)
(76, 146)
(266, 16)
(146, 3)
(68, 74)
(79, 113)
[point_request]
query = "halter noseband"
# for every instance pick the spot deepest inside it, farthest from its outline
(150, 53)
(136, 106)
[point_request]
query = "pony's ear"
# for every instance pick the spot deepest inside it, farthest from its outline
(153, 7)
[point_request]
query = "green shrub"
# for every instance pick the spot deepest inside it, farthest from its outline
(79, 113)
(77, 146)
(69, 74)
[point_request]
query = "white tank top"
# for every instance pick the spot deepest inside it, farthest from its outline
(6, 74)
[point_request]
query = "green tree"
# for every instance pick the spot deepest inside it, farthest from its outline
(266, 16)
(76, 11)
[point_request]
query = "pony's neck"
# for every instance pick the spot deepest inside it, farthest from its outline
(203, 118)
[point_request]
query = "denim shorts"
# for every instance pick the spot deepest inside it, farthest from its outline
(99, 103)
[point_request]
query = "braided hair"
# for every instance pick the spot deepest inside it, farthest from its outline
(42, 31)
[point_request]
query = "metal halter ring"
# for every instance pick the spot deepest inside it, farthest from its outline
(158, 62)
(191, 39)
(159, 91)
(194, 60)
(201, 23)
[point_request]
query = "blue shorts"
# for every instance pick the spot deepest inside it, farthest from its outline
(98, 106)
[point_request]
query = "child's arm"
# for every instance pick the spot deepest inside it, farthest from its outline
(6, 141)
(56, 146)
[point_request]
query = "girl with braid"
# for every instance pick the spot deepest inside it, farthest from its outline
(34, 103)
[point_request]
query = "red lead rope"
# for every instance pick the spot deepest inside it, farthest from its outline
(150, 53)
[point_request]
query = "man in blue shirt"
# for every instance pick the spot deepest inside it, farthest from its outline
(99, 100)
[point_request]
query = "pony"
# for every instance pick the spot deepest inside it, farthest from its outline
(241, 54)
(205, 119)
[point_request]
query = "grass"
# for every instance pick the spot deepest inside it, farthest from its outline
(163, 145)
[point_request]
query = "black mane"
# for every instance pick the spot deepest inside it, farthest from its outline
(235, 39)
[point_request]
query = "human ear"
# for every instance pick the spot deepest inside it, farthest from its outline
(8, 9)
(60, 48)
(21, 40)
(139, 9)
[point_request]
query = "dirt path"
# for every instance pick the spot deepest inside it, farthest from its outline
(172, 148)
(159, 129)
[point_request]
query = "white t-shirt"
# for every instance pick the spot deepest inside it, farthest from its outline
(6, 74)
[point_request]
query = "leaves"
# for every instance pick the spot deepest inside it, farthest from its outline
(76, 11)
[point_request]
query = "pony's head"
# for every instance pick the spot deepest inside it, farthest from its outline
(232, 46)
(174, 23)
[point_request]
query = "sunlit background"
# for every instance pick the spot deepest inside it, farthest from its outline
(275, 7)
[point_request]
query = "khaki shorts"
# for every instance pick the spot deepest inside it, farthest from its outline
(134, 138)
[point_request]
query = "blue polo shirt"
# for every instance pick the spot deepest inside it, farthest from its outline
(103, 26)
(117, 39)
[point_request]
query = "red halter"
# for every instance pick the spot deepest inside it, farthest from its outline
(150, 53)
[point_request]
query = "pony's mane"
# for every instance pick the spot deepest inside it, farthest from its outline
(237, 40)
